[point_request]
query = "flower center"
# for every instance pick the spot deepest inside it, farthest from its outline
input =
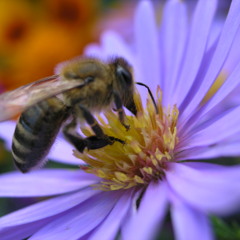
(149, 145)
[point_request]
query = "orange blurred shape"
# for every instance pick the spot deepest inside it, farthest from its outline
(37, 35)
(15, 21)
(38, 55)
(72, 13)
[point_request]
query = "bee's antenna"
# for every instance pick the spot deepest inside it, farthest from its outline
(150, 93)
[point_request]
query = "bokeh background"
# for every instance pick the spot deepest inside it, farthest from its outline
(35, 35)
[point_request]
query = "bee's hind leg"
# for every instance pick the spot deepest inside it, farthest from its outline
(93, 142)
(73, 137)
(100, 139)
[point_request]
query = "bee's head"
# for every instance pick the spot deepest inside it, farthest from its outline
(124, 84)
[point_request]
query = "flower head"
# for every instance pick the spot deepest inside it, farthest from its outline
(149, 146)
(126, 189)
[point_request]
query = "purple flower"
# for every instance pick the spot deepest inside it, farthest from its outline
(127, 190)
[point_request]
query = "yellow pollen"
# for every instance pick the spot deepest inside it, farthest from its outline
(149, 146)
(121, 176)
(154, 162)
(158, 155)
(138, 179)
(135, 147)
(148, 170)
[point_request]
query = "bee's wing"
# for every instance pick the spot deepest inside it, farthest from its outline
(16, 101)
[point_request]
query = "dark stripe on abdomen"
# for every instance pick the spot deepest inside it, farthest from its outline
(36, 131)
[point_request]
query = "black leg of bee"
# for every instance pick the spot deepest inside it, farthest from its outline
(79, 143)
(73, 137)
(100, 139)
(93, 142)
(91, 121)
(119, 110)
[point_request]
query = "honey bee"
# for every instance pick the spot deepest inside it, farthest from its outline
(80, 88)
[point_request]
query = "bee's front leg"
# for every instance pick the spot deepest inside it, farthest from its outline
(119, 109)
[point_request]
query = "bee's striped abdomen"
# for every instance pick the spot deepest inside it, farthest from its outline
(36, 131)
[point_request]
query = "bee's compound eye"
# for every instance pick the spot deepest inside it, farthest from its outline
(88, 79)
(124, 75)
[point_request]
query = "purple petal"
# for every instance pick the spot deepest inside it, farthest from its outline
(220, 149)
(23, 231)
(114, 45)
(81, 219)
(111, 225)
(174, 26)
(189, 223)
(145, 223)
(44, 182)
(191, 120)
(233, 57)
(218, 129)
(207, 187)
(44, 209)
(146, 37)
(228, 86)
(227, 37)
(197, 42)
(203, 166)
(93, 50)
(215, 31)
(6, 132)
